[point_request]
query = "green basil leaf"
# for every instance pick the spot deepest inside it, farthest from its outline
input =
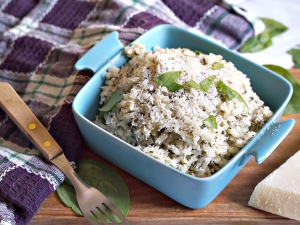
(295, 52)
(257, 43)
(211, 122)
(198, 52)
(169, 79)
(226, 91)
(193, 84)
(294, 104)
(264, 39)
(273, 27)
(67, 194)
(217, 66)
(175, 87)
(110, 103)
(102, 177)
(229, 93)
(204, 85)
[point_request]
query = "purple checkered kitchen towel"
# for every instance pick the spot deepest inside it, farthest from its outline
(40, 41)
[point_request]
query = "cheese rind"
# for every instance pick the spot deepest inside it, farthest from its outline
(279, 192)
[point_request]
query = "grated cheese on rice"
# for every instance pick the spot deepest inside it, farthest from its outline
(169, 125)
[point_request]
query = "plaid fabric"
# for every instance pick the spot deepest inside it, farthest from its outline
(40, 41)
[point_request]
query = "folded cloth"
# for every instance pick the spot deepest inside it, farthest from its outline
(40, 41)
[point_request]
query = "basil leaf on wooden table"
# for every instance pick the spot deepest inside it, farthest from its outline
(102, 177)
(169, 80)
(264, 39)
(294, 104)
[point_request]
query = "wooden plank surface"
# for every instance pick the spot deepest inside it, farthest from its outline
(149, 206)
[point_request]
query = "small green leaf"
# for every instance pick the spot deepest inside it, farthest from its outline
(110, 103)
(67, 194)
(102, 177)
(226, 91)
(229, 93)
(264, 39)
(211, 122)
(257, 43)
(217, 66)
(294, 104)
(273, 27)
(204, 85)
(193, 84)
(198, 52)
(295, 52)
(169, 79)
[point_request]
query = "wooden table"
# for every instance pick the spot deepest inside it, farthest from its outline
(149, 206)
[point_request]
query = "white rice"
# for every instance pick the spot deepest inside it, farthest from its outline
(169, 125)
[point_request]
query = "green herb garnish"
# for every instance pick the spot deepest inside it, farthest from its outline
(264, 39)
(294, 104)
(295, 52)
(217, 66)
(102, 177)
(273, 27)
(257, 43)
(229, 93)
(110, 103)
(169, 79)
(204, 85)
(198, 52)
(211, 122)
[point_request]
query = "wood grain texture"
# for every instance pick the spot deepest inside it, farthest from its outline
(149, 206)
(24, 118)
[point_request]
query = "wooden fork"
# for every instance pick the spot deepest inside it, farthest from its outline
(90, 200)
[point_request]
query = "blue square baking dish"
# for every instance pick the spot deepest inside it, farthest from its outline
(186, 189)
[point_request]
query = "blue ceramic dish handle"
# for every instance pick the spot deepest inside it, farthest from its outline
(105, 49)
(268, 141)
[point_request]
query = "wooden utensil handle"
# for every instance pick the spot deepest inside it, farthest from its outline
(23, 117)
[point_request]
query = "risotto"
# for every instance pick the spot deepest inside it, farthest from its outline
(190, 110)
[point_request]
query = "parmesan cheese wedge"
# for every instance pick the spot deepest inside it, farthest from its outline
(279, 192)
